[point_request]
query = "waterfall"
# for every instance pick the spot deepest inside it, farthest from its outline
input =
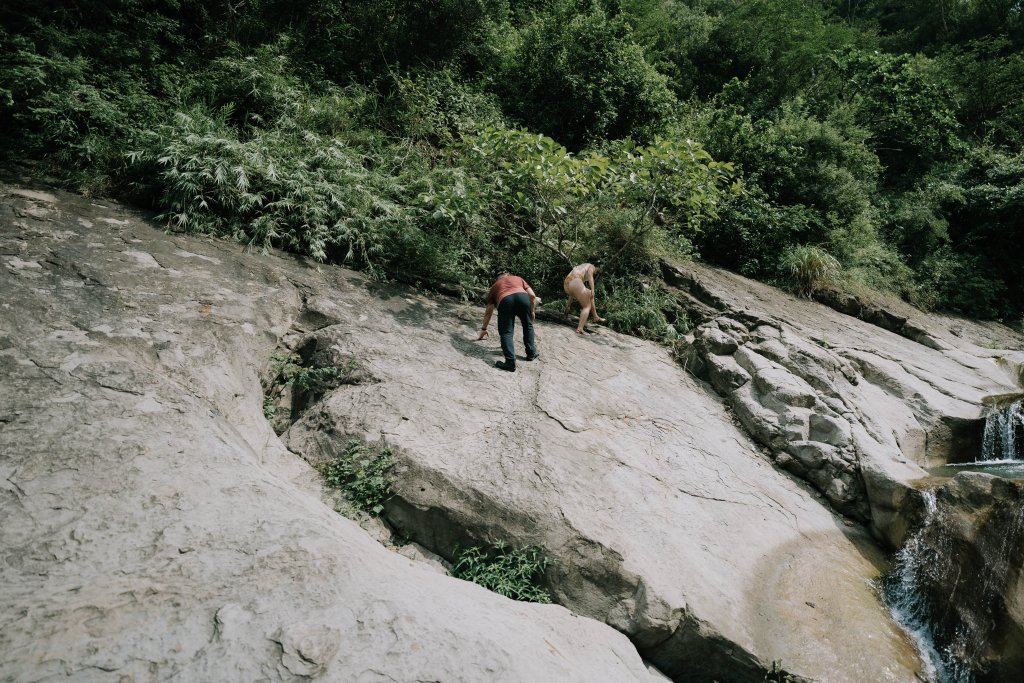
(948, 585)
(904, 592)
(1004, 429)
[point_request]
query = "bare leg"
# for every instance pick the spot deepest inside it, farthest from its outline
(587, 303)
(568, 297)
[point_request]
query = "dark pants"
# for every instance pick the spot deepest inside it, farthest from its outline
(509, 308)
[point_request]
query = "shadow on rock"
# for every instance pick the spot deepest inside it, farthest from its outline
(473, 349)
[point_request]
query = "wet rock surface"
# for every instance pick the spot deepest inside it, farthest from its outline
(960, 579)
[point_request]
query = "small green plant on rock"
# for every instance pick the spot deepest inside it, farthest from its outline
(283, 366)
(287, 370)
(776, 674)
(269, 406)
(362, 474)
(505, 570)
(315, 379)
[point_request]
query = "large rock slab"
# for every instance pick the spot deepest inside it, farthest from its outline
(663, 518)
(154, 528)
(856, 406)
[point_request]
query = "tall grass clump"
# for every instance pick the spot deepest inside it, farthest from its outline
(810, 269)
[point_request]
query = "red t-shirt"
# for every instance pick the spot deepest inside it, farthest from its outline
(503, 286)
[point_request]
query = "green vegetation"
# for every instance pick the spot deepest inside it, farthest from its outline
(811, 268)
(637, 307)
(287, 370)
(362, 474)
(504, 570)
(308, 383)
(270, 406)
(444, 139)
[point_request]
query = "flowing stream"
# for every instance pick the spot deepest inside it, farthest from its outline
(1004, 429)
(1002, 446)
(934, 574)
(905, 594)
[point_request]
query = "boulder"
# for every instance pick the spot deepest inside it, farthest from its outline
(661, 517)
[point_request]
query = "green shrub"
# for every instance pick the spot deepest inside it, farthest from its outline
(635, 307)
(751, 232)
(435, 105)
(876, 266)
(73, 117)
(363, 474)
(903, 99)
(513, 573)
(283, 186)
(576, 76)
(779, 45)
(811, 269)
(375, 36)
(258, 86)
(961, 283)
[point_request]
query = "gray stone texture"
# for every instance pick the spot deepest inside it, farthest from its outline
(856, 409)
(154, 527)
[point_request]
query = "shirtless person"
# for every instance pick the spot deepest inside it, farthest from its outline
(514, 298)
(576, 289)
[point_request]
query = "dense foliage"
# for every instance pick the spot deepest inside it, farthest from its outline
(876, 144)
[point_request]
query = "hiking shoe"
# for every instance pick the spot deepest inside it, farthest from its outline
(533, 357)
(504, 365)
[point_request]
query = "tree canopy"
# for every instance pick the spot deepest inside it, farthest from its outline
(439, 140)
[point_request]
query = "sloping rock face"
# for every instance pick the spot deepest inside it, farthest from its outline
(855, 409)
(662, 517)
(153, 526)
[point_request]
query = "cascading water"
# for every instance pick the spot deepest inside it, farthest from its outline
(903, 592)
(949, 584)
(1004, 430)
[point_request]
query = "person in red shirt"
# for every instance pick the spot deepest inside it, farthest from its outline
(514, 298)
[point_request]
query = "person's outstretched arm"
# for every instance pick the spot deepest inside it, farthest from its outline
(533, 303)
(487, 321)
